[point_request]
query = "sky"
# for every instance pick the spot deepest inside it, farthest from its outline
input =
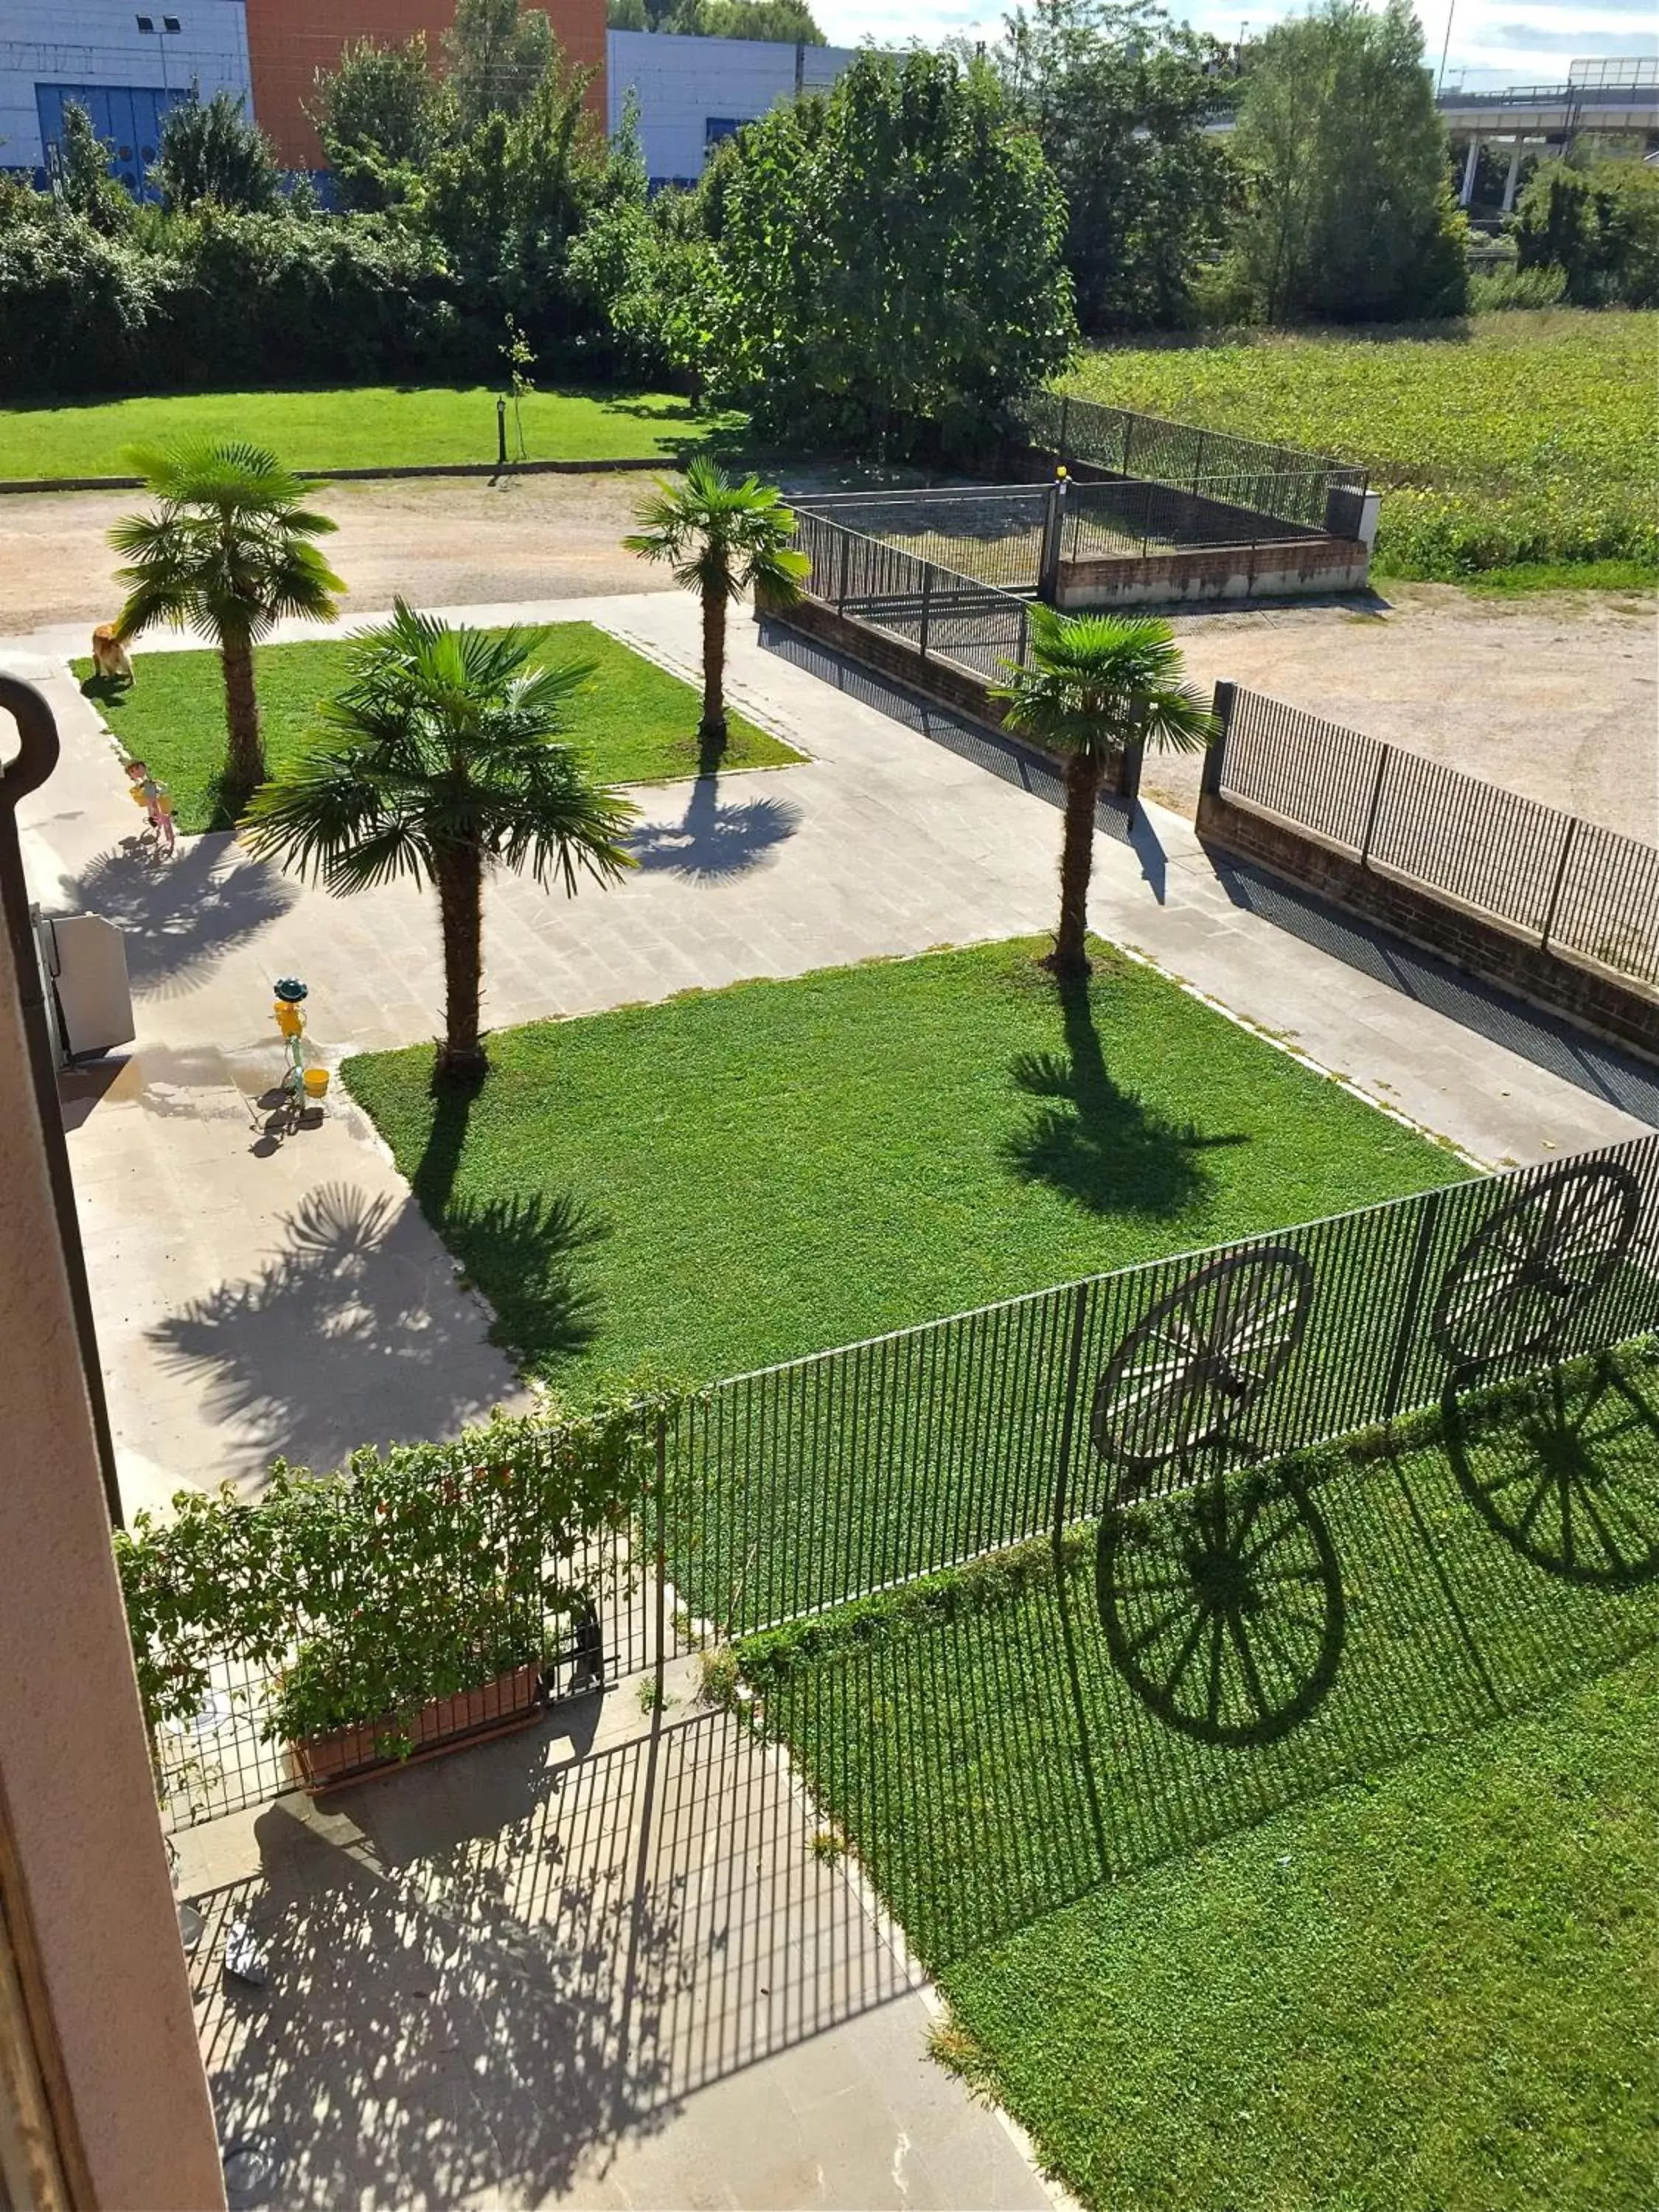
(1499, 41)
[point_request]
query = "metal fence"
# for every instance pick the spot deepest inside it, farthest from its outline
(811, 1484)
(1133, 521)
(1570, 884)
(1309, 490)
(992, 533)
(942, 612)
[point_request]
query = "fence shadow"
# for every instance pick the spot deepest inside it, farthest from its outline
(1599, 1069)
(1209, 1663)
(525, 1964)
(999, 756)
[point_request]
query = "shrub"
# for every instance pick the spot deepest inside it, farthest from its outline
(1497, 288)
(416, 1573)
(1596, 221)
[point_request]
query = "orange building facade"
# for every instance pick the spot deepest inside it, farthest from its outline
(289, 40)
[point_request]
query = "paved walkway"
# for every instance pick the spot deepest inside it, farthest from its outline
(258, 1296)
(598, 1963)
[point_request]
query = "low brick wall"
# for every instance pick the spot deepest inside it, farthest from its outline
(1306, 565)
(1587, 996)
(947, 685)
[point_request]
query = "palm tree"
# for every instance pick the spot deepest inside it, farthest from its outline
(227, 552)
(443, 757)
(721, 539)
(1095, 683)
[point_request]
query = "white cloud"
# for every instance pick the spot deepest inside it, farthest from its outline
(1530, 40)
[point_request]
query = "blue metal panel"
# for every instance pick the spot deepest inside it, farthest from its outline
(127, 118)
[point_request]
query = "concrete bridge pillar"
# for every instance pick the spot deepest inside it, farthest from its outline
(1513, 177)
(1470, 166)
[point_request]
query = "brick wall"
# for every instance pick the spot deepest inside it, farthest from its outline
(1480, 947)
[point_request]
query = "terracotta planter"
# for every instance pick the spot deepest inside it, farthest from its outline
(350, 1755)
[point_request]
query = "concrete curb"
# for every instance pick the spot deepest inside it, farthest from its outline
(662, 461)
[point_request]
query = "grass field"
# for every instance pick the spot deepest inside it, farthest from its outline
(1510, 440)
(736, 1177)
(365, 427)
(1349, 1930)
(637, 723)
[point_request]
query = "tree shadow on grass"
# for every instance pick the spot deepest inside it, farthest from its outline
(1096, 1142)
(522, 1251)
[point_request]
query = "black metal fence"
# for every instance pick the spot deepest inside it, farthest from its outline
(1572, 885)
(944, 613)
(993, 533)
(809, 1485)
(1133, 521)
(1309, 490)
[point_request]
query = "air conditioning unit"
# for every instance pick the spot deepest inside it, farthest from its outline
(83, 961)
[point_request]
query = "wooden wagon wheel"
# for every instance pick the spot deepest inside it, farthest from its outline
(1524, 1273)
(1570, 1478)
(1223, 1610)
(1179, 1381)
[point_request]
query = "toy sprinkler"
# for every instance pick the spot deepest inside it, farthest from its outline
(302, 1086)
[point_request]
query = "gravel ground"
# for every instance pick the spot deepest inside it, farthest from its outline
(1552, 695)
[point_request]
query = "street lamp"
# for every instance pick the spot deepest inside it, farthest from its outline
(1451, 10)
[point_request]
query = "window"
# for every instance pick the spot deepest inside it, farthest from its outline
(718, 127)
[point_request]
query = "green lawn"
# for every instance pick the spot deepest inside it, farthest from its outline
(1378, 1932)
(637, 723)
(736, 1177)
(365, 427)
(1511, 440)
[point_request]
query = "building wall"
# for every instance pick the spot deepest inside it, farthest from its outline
(289, 40)
(79, 45)
(692, 92)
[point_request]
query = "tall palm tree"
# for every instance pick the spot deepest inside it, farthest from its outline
(226, 551)
(721, 539)
(442, 758)
(1095, 683)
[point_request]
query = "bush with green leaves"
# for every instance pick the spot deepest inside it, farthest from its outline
(888, 255)
(417, 1572)
(210, 150)
(1593, 219)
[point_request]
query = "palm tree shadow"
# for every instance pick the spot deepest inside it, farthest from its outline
(523, 1252)
(1096, 1142)
(180, 916)
(711, 840)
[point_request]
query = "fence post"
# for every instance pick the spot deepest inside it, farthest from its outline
(1560, 883)
(1128, 433)
(660, 1561)
(1197, 463)
(1069, 1421)
(1064, 453)
(1376, 801)
(1054, 519)
(926, 597)
(1146, 521)
(1221, 705)
(1406, 1334)
(1025, 626)
(841, 596)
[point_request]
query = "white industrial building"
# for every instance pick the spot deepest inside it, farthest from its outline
(692, 93)
(126, 62)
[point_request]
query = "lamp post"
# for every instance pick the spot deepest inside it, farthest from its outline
(1451, 11)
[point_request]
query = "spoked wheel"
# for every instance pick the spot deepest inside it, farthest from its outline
(1178, 1382)
(1524, 1274)
(1223, 1609)
(1568, 1475)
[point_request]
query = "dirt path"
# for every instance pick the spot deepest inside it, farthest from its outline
(441, 542)
(1554, 695)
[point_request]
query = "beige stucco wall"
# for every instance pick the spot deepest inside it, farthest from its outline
(74, 1768)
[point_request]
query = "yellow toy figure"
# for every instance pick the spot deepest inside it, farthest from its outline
(300, 1083)
(152, 794)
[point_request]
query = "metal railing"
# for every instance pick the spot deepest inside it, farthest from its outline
(1135, 521)
(1311, 490)
(941, 612)
(991, 533)
(1571, 885)
(809, 1485)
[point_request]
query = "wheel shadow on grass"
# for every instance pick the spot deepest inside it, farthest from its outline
(1096, 1142)
(997, 1754)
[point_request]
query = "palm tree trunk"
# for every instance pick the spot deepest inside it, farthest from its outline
(460, 907)
(244, 761)
(1070, 957)
(711, 731)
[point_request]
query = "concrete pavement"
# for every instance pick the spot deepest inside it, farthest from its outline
(257, 1296)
